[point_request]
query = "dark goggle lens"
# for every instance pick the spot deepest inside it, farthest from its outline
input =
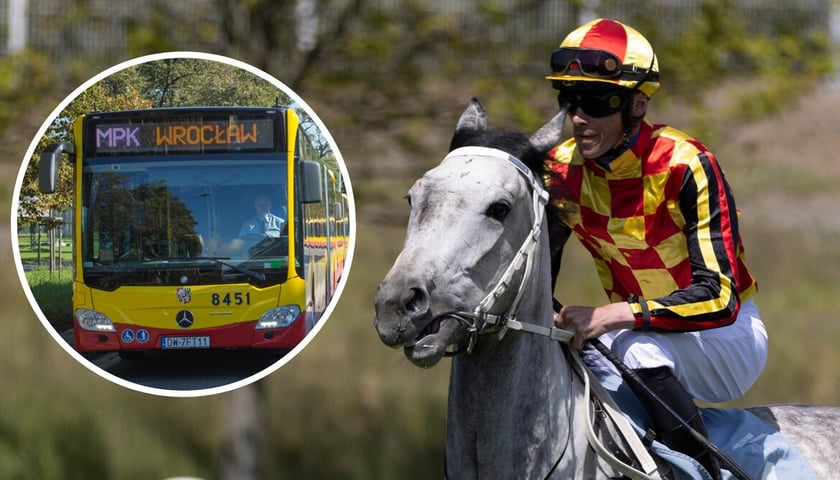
(586, 62)
(594, 104)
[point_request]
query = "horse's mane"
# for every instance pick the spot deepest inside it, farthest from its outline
(515, 143)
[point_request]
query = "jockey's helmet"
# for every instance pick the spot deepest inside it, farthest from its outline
(605, 51)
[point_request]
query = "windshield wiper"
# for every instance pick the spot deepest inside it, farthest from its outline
(247, 271)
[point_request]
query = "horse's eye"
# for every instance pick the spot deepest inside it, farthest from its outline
(408, 199)
(498, 210)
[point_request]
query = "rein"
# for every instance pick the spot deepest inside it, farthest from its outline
(480, 320)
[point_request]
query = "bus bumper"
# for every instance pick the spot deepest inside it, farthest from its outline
(239, 335)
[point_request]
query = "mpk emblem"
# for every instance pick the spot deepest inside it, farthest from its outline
(184, 295)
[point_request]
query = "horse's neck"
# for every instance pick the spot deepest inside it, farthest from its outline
(510, 399)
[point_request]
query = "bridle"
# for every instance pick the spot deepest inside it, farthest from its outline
(481, 320)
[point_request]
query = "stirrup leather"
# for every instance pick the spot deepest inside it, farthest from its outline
(649, 469)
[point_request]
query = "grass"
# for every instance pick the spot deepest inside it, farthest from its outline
(348, 399)
(31, 252)
(53, 292)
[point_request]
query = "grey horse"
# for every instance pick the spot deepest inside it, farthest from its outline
(516, 405)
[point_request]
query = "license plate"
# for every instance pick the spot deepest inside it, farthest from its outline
(185, 342)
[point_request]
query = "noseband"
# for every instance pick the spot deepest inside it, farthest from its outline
(480, 320)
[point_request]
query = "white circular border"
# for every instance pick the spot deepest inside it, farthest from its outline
(206, 391)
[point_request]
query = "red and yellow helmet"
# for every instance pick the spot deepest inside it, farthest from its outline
(605, 51)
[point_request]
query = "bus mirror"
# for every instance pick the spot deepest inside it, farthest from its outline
(48, 168)
(311, 181)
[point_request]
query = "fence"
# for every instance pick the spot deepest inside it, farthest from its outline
(102, 29)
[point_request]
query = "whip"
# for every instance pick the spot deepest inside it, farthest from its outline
(632, 378)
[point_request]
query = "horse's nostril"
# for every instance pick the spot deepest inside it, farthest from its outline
(416, 301)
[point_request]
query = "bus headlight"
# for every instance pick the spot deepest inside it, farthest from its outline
(279, 317)
(94, 321)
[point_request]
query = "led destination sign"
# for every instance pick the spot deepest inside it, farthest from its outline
(181, 136)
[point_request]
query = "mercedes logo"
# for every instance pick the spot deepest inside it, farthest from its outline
(184, 318)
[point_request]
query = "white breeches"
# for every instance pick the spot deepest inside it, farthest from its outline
(716, 365)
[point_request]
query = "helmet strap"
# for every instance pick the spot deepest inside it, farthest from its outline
(629, 121)
(627, 118)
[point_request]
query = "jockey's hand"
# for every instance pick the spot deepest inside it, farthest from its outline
(592, 322)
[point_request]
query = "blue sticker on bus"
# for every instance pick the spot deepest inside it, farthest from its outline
(127, 336)
(142, 335)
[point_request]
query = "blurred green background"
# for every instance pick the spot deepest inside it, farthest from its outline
(389, 79)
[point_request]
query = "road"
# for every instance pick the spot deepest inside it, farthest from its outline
(186, 370)
(182, 370)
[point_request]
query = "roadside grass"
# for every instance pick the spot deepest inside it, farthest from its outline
(53, 292)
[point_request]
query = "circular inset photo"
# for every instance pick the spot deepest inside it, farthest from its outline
(183, 224)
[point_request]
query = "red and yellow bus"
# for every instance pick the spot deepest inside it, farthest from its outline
(327, 242)
(199, 228)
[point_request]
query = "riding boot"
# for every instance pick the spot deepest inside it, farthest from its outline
(669, 431)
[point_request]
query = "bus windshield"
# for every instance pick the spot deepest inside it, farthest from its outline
(187, 219)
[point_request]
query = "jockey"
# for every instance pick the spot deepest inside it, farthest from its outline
(652, 206)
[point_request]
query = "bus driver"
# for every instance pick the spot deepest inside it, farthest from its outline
(264, 223)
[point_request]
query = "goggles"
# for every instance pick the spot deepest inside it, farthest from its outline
(595, 63)
(595, 103)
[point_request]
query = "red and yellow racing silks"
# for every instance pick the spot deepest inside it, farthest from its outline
(662, 227)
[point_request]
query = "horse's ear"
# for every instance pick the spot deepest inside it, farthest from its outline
(549, 135)
(474, 118)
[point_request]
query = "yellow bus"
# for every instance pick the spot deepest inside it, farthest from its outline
(198, 228)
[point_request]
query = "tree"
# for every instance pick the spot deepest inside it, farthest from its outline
(243, 434)
(178, 82)
(164, 83)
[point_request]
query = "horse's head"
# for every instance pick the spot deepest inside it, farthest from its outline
(469, 218)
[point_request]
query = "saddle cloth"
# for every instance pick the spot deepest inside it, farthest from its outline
(760, 451)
